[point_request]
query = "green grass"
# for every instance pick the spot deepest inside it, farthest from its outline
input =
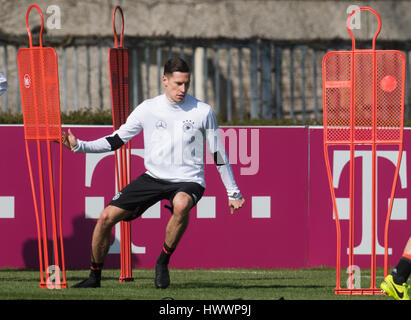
(199, 284)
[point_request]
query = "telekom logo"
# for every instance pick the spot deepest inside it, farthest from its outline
(399, 211)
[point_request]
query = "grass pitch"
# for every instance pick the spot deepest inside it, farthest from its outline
(199, 284)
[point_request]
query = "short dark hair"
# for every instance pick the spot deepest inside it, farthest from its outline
(175, 64)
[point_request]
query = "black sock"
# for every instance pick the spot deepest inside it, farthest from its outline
(165, 255)
(402, 271)
(95, 270)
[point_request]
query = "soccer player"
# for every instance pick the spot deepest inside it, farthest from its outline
(3, 84)
(395, 284)
(176, 126)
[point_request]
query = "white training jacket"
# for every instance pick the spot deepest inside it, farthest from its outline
(174, 141)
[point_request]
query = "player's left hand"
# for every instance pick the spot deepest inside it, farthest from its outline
(235, 204)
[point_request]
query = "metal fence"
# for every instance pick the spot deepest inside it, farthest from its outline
(242, 79)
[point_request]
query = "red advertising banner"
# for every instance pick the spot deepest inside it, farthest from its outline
(286, 222)
(322, 238)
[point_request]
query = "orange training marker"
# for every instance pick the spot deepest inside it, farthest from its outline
(39, 88)
(363, 99)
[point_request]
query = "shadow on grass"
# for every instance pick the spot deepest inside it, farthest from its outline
(214, 285)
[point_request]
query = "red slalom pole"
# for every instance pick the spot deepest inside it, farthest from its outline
(118, 63)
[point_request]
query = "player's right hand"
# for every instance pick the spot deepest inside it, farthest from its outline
(68, 139)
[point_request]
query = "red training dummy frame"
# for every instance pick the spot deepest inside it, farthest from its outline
(363, 98)
(119, 83)
(39, 88)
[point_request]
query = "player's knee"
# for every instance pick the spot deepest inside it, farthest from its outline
(182, 203)
(107, 218)
(104, 218)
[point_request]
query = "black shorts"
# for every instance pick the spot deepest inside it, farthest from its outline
(146, 191)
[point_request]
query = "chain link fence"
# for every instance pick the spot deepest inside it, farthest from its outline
(243, 80)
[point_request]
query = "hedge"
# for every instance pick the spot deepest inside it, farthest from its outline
(102, 117)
